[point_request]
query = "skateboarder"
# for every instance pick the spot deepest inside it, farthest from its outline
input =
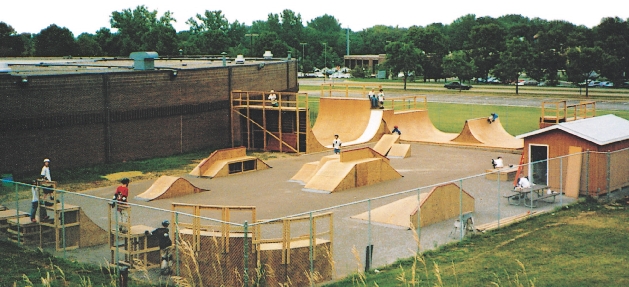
(492, 118)
(121, 196)
(497, 163)
(381, 99)
(396, 130)
(165, 246)
(336, 144)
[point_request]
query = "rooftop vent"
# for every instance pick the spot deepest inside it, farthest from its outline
(143, 61)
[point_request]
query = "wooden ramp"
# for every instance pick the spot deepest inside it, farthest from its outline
(228, 161)
(385, 143)
(90, 233)
(354, 168)
(441, 203)
(352, 119)
(168, 187)
(479, 132)
(416, 126)
(399, 151)
(309, 169)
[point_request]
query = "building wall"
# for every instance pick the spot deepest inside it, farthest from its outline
(87, 119)
(594, 165)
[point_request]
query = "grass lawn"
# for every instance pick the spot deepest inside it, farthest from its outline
(585, 244)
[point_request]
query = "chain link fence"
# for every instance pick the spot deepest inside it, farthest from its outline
(231, 246)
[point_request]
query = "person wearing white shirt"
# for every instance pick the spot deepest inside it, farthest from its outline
(45, 171)
(498, 163)
(273, 98)
(336, 144)
(381, 99)
(523, 183)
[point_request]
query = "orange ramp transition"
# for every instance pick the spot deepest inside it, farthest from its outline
(228, 161)
(479, 132)
(417, 127)
(353, 168)
(352, 119)
(441, 203)
(168, 187)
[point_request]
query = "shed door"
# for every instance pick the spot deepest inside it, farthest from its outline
(538, 164)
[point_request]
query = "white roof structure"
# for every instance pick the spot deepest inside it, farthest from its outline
(601, 130)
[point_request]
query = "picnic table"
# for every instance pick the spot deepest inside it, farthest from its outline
(531, 195)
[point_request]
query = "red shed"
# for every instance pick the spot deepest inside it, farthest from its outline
(599, 161)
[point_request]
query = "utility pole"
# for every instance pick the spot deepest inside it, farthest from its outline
(303, 55)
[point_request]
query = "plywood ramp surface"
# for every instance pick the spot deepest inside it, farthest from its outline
(384, 144)
(400, 151)
(441, 203)
(218, 155)
(479, 132)
(308, 170)
(352, 119)
(90, 233)
(416, 126)
(168, 187)
(354, 168)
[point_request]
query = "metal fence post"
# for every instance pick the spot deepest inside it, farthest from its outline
(63, 222)
(609, 172)
(499, 198)
(177, 243)
(461, 208)
(246, 257)
(587, 173)
(369, 244)
(17, 212)
(419, 214)
(561, 181)
(311, 252)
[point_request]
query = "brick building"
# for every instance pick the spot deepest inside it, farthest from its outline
(88, 112)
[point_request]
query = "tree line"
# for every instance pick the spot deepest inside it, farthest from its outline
(468, 48)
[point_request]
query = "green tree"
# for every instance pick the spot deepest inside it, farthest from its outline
(55, 41)
(403, 58)
(583, 64)
(11, 44)
(433, 42)
(459, 65)
(612, 36)
(458, 32)
(141, 30)
(88, 46)
(514, 61)
(487, 42)
(108, 42)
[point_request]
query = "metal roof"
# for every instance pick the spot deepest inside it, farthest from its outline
(601, 130)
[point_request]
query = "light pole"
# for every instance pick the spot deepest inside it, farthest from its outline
(251, 41)
(303, 55)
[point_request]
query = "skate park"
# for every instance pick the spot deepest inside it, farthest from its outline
(275, 196)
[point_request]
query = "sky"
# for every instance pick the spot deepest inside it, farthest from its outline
(89, 16)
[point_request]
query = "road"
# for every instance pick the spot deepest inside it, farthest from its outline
(490, 95)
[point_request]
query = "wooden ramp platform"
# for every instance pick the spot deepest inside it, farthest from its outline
(399, 151)
(228, 161)
(385, 143)
(441, 203)
(168, 187)
(353, 168)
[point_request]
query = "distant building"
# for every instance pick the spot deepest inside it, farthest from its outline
(370, 62)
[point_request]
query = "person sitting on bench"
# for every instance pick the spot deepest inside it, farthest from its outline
(523, 183)
(497, 163)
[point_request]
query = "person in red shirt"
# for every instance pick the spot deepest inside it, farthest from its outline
(122, 192)
(121, 196)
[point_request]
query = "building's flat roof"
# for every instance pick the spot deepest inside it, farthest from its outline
(56, 66)
(601, 130)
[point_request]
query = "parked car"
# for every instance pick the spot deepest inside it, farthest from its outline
(594, 84)
(456, 85)
(607, 84)
(240, 59)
